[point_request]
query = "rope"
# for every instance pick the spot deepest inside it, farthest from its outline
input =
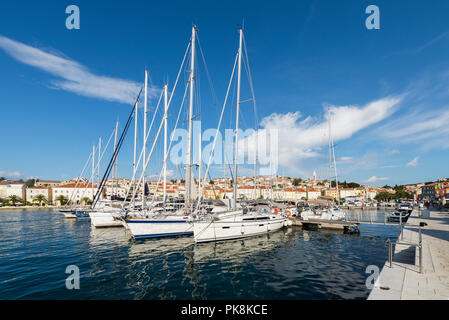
(218, 129)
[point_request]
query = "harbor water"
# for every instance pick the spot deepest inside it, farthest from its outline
(36, 247)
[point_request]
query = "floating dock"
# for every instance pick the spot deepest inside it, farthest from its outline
(324, 224)
(411, 276)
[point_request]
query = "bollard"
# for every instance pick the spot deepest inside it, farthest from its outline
(420, 258)
(390, 253)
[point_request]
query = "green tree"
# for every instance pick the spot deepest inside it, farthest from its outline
(384, 196)
(62, 200)
(30, 183)
(296, 181)
(86, 201)
(40, 198)
(13, 199)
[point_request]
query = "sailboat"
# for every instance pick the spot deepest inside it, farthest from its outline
(164, 223)
(333, 212)
(238, 222)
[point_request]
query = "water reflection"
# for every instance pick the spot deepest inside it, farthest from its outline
(36, 247)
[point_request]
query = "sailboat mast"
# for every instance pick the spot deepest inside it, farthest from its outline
(144, 135)
(93, 171)
(114, 172)
(239, 73)
(135, 140)
(99, 159)
(165, 141)
(188, 196)
(330, 153)
(200, 191)
(335, 164)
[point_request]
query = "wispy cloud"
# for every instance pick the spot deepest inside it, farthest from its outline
(433, 41)
(393, 152)
(301, 139)
(390, 166)
(375, 179)
(72, 75)
(11, 175)
(427, 129)
(413, 163)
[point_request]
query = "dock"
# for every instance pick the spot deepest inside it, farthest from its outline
(347, 224)
(324, 224)
(412, 276)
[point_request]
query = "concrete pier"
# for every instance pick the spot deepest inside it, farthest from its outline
(324, 224)
(403, 281)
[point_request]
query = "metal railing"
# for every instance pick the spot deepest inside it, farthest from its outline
(417, 245)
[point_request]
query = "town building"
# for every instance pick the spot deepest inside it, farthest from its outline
(12, 188)
(32, 192)
(47, 183)
(75, 192)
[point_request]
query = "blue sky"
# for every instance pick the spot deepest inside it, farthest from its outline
(388, 89)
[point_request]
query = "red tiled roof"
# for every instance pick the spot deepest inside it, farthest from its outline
(79, 185)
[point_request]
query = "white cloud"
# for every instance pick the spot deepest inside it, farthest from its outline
(73, 76)
(11, 175)
(390, 166)
(375, 179)
(427, 130)
(413, 163)
(302, 139)
(394, 152)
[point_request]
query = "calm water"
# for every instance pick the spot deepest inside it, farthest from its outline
(37, 246)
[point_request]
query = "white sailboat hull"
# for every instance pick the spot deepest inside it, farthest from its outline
(162, 227)
(99, 219)
(206, 231)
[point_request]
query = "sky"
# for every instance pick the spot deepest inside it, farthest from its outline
(387, 89)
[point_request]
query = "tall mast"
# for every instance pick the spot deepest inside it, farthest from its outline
(188, 200)
(135, 140)
(335, 166)
(200, 191)
(330, 153)
(237, 121)
(93, 171)
(114, 171)
(165, 141)
(99, 159)
(144, 135)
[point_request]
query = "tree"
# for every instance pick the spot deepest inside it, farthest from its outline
(30, 183)
(40, 198)
(62, 200)
(2, 178)
(13, 199)
(86, 201)
(296, 181)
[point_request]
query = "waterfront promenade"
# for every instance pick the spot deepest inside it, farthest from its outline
(404, 281)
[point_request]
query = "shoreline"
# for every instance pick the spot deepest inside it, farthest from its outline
(31, 207)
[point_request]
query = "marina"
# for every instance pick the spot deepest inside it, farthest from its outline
(418, 266)
(292, 263)
(201, 150)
